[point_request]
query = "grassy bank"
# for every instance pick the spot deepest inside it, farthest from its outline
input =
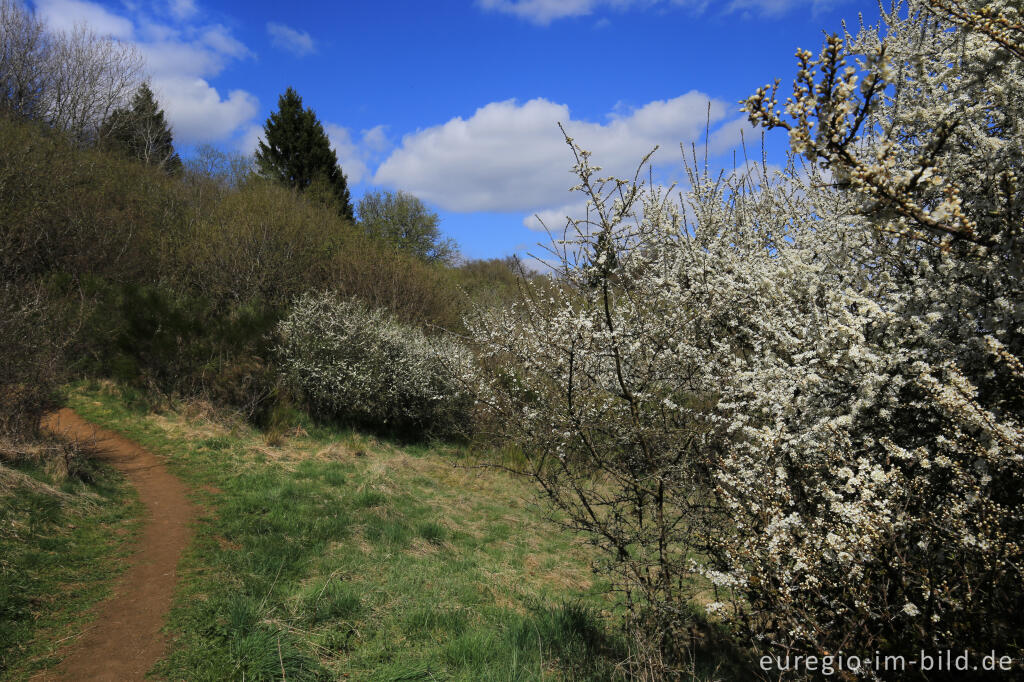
(63, 541)
(338, 555)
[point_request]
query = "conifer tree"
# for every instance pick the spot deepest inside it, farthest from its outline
(141, 131)
(296, 152)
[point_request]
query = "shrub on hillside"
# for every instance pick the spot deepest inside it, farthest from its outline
(180, 343)
(256, 241)
(30, 355)
(414, 291)
(356, 363)
(77, 212)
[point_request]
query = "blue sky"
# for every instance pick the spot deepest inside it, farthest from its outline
(457, 101)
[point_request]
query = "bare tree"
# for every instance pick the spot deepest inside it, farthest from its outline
(72, 80)
(90, 76)
(24, 55)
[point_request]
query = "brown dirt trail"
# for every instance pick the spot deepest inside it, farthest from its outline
(125, 640)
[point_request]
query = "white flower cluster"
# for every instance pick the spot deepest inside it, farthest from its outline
(356, 363)
(811, 390)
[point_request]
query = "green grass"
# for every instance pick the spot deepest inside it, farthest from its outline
(62, 544)
(338, 555)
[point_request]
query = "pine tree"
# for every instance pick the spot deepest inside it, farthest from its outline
(296, 152)
(141, 131)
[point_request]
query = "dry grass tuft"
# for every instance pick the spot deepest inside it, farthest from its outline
(339, 452)
(13, 482)
(61, 458)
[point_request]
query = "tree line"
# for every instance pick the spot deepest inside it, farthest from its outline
(120, 258)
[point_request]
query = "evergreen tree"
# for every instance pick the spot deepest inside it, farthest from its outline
(296, 152)
(141, 132)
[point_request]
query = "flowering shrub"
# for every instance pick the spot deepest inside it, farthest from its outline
(910, 535)
(809, 390)
(355, 363)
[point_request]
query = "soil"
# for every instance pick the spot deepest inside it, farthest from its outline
(125, 639)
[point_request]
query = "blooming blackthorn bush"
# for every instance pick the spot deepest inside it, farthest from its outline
(802, 392)
(355, 363)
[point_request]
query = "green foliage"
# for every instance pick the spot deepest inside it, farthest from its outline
(141, 132)
(149, 336)
(491, 282)
(403, 220)
(255, 242)
(418, 293)
(297, 153)
(77, 212)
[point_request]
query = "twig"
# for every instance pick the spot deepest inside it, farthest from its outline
(280, 659)
(271, 587)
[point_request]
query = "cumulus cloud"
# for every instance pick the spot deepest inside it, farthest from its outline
(355, 156)
(181, 56)
(350, 156)
(543, 12)
(178, 58)
(65, 15)
(733, 135)
(775, 8)
(198, 112)
(554, 220)
(511, 157)
(219, 39)
(287, 38)
(249, 139)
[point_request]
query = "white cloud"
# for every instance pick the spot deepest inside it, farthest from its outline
(543, 12)
(177, 58)
(733, 135)
(554, 220)
(205, 54)
(183, 9)
(288, 38)
(248, 141)
(65, 15)
(350, 155)
(181, 56)
(511, 157)
(355, 157)
(776, 8)
(198, 113)
(218, 38)
(376, 141)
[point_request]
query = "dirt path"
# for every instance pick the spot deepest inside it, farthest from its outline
(125, 640)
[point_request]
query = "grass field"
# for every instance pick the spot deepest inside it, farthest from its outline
(62, 542)
(334, 554)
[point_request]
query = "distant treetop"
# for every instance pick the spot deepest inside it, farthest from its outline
(141, 131)
(297, 152)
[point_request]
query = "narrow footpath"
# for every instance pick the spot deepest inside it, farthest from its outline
(124, 641)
